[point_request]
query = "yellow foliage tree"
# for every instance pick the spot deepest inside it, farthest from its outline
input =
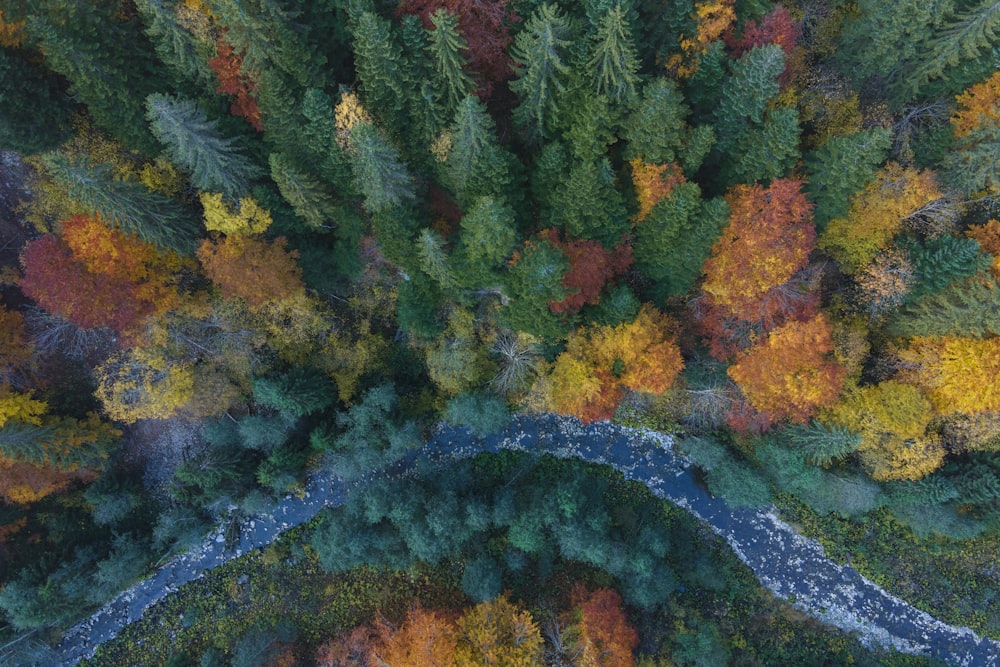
(958, 374)
(20, 407)
(348, 113)
(498, 633)
(977, 106)
(892, 420)
(137, 384)
(876, 215)
(653, 182)
(713, 18)
(590, 377)
(246, 218)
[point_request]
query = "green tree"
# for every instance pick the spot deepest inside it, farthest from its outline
(613, 63)
(970, 166)
(657, 130)
(434, 258)
(938, 262)
(476, 165)
(485, 243)
(34, 108)
(216, 163)
(841, 167)
(447, 49)
(766, 152)
(381, 69)
(534, 281)
(483, 413)
(965, 308)
(127, 204)
(541, 75)
(186, 56)
(751, 84)
(588, 205)
(308, 197)
(379, 173)
(298, 392)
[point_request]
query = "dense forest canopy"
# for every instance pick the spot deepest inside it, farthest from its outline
(244, 239)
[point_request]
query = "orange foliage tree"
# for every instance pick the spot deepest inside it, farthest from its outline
(602, 633)
(353, 649)
(252, 269)
(790, 375)
(228, 68)
(426, 638)
(95, 276)
(589, 379)
(957, 374)
(653, 182)
(591, 266)
(988, 237)
(750, 282)
(713, 18)
(777, 27)
(977, 106)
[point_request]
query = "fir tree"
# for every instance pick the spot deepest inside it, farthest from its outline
(614, 63)
(767, 152)
(186, 56)
(970, 166)
(657, 130)
(434, 259)
(129, 205)
(540, 50)
(447, 49)
(752, 83)
(841, 167)
(298, 392)
(308, 197)
(939, 262)
(821, 443)
(965, 308)
(379, 174)
(381, 68)
(196, 144)
(34, 109)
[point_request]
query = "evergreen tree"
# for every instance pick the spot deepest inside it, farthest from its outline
(970, 166)
(540, 50)
(614, 63)
(767, 152)
(964, 39)
(447, 49)
(186, 56)
(129, 205)
(298, 392)
(841, 167)
(821, 443)
(534, 282)
(657, 130)
(485, 243)
(476, 165)
(434, 259)
(196, 144)
(751, 84)
(965, 308)
(673, 242)
(428, 112)
(587, 204)
(381, 69)
(34, 109)
(110, 64)
(940, 261)
(310, 200)
(379, 174)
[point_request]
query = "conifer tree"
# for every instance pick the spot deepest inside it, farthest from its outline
(216, 163)
(656, 130)
(307, 196)
(34, 109)
(841, 167)
(539, 49)
(476, 165)
(186, 56)
(129, 205)
(485, 243)
(381, 68)
(379, 174)
(447, 49)
(614, 64)
(965, 308)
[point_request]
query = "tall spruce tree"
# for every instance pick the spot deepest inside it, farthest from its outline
(614, 64)
(381, 68)
(447, 49)
(379, 173)
(196, 144)
(539, 51)
(841, 167)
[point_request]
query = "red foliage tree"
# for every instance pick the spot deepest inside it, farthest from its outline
(228, 68)
(777, 27)
(95, 276)
(485, 25)
(251, 269)
(591, 266)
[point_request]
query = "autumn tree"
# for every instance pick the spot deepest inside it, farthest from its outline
(652, 183)
(254, 270)
(790, 375)
(597, 630)
(892, 419)
(591, 267)
(196, 144)
(498, 632)
(138, 384)
(425, 638)
(957, 374)
(95, 276)
(246, 217)
(228, 68)
(976, 126)
(768, 239)
(840, 168)
(589, 379)
(876, 215)
(712, 19)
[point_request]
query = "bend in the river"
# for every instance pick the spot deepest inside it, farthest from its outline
(793, 567)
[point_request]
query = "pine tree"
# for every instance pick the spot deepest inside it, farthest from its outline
(821, 443)
(533, 282)
(970, 166)
(587, 204)
(427, 104)
(379, 174)
(434, 259)
(485, 243)
(751, 84)
(614, 64)
(129, 205)
(447, 49)
(196, 144)
(541, 73)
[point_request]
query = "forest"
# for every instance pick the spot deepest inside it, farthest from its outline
(242, 241)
